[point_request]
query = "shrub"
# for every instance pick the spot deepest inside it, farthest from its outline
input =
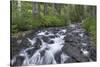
(48, 21)
(22, 24)
(90, 25)
(36, 23)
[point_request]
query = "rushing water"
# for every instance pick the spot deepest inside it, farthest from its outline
(46, 48)
(49, 49)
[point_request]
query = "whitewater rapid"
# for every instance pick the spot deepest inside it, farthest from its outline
(49, 49)
(55, 46)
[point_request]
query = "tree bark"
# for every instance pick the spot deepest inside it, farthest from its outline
(36, 9)
(45, 8)
(19, 6)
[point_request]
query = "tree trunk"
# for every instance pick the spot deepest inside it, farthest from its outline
(19, 11)
(94, 11)
(58, 8)
(45, 8)
(19, 7)
(36, 9)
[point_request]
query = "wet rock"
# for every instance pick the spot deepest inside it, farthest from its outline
(50, 42)
(14, 41)
(70, 60)
(61, 33)
(14, 47)
(58, 56)
(72, 39)
(30, 52)
(42, 53)
(45, 38)
(77, 45)
(46, 33)
(52, 36)
(55, 30)
(93, 54)
(25, 43)
(74, 53)
(19, 61)
(38, 43)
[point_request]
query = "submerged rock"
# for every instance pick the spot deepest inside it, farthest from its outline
(93, 53)
(38, 43)
(55, 46)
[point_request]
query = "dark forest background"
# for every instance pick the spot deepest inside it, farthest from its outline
(35, 15)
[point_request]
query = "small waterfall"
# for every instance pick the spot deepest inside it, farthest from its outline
(48, 58)
(32, 41)
(45, 54)
(64, 57)
(54, 46)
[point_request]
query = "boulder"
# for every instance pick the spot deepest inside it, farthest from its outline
(19, 61)
(38, 43)
(58, 57)
(45, 38)
(93, 53)
(50, 42)
(74, 53)
(30, 52)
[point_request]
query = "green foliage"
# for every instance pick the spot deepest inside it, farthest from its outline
(20, 24)
(23, 26)
(50, 21)
(90, 25)
(36, 23)
(76, 13)
(56, 16)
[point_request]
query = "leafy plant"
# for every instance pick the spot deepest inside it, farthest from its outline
(52, 21)
(90, 25)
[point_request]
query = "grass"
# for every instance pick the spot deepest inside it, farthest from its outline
(90, 25)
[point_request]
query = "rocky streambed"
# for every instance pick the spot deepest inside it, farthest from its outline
(55, 45)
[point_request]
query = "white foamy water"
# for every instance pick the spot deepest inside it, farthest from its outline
(47, 47)
(64, 57)
(85, 52)
(84, 44)
(32, 41)
(49, 50)
(72, 25)
(41, 33)
(64, 30)
(81, 34)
